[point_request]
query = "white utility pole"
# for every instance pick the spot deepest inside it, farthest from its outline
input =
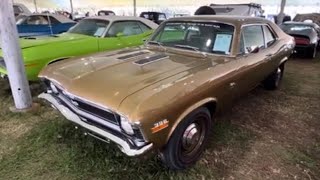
(134, 8)
(281, 15)
(71, 7)
(13, 57)
(35, 5)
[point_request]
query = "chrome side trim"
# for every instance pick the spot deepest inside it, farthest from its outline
(124, 146)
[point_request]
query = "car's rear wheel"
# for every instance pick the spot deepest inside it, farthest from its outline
(273, 80)
(188, 141)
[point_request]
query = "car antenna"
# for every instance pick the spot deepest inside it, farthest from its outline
(50, 26)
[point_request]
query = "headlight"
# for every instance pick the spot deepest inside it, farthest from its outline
(126, 126)
(54, 88)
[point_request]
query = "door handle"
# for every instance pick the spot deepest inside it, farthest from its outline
(232, 85)
(269, 55)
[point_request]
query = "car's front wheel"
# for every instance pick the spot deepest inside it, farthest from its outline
(188, 141)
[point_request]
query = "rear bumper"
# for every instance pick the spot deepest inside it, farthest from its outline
(73, 117)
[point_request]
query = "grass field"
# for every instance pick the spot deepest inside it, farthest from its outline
(266, 135)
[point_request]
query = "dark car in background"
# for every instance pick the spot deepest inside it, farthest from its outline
(42, 24)
(250, 9)
(314, 17)
(106, 13)
(156, 17)
(306, 36)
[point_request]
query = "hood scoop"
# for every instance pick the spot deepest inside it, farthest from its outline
(132, 55)
(151, 59)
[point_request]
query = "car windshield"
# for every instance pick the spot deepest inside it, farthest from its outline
(198, 36)
(297, 29)
(90, 27)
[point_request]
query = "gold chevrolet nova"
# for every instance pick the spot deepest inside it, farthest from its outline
(164, 96)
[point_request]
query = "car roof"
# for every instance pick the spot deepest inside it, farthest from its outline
(60, 18)
(228, 19)
(125, 18)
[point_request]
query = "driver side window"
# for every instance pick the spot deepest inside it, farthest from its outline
(126, 28)
(36, 20)
(252, 36)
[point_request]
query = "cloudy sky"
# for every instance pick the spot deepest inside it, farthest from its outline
(124, 7)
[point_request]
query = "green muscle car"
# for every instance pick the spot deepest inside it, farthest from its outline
(91, 35)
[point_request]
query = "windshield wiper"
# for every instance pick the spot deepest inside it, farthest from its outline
(156, 43)
(187, 47)
(191, 48)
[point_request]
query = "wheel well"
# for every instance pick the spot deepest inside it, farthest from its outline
(211, 107)
(57, 60)
(282, 66)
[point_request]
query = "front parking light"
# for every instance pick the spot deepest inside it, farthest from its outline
(126, 126)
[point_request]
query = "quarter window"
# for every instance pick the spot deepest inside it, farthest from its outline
(269, 36)
(252, 37)
(53, 20)
(127, 28)
(144, 27)
(37, 20)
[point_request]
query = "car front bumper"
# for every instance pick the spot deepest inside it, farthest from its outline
(70, 115)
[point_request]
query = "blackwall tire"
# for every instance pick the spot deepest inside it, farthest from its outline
(188, 141)
(273, 81)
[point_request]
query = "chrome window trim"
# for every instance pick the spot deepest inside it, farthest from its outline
(259, 24)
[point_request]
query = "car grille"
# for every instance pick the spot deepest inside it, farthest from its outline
(2, 63)
(76, 104)
(90, 109)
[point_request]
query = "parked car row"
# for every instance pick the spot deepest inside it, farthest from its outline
(158, 88)
(93, 34)
(306, 35)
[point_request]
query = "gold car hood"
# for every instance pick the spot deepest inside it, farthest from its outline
(108, 79)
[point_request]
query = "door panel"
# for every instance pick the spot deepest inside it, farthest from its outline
(135, 40)
(34, 29)
(250, 73)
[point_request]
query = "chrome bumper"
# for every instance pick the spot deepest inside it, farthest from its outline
(124, 146)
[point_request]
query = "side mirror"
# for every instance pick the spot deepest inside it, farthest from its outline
(120, 34)
(253, 49)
